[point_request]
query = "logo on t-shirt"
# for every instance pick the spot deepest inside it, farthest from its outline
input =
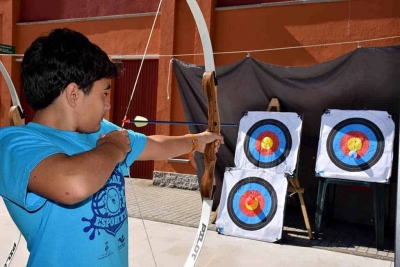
(121, 241)
(109, 207)
(107, 252)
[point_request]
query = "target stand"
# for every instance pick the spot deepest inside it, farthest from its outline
(294, 183)
(355, 149)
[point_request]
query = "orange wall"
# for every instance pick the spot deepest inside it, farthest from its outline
(232, 30)
(116, 37)
(304, 24)
(32, 10)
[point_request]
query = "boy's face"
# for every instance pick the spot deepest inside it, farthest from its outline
(94, 106)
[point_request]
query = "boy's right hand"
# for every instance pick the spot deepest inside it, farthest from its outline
(119, 140)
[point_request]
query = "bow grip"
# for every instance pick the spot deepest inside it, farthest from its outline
(208, 180)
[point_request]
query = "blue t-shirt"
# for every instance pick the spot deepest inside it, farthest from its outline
(91, 233)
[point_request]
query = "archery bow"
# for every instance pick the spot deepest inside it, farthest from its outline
(210, 89)
(209, 84)
(16, 116)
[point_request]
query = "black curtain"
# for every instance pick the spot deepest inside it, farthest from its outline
(367, 78)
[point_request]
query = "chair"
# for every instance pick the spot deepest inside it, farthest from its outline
(378, 193)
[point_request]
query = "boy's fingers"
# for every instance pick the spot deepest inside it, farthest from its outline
(124, 132)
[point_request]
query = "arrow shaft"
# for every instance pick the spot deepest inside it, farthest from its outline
(176, 122)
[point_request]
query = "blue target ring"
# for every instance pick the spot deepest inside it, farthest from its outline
(263, 216)
(280, 152)
(354, 161)
(351, 162)
(265, 211)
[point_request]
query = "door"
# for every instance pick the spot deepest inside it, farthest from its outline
(144, 103)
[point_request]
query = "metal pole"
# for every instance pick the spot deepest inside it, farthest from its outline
(397, 226)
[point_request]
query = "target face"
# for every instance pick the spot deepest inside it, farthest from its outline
(267, 143)
(252, 203)
(355, 144)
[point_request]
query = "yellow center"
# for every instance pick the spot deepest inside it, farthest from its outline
(267, 143)
(252, 204)
(354, 144)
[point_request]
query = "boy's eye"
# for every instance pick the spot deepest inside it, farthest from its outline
(106, 94)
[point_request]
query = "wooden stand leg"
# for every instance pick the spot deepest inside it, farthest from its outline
(306, 220)
(274, 105)
(214, 217)
(296, 183)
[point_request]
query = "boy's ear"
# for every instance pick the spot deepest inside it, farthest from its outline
(72, 93)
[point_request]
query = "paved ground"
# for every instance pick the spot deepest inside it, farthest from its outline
(168, 244)
(183, 207)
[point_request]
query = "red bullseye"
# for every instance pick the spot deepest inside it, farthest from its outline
(267, 143)
(251, 203)
(354, 142)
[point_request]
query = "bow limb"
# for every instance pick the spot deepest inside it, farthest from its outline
(210, 89)
(16, 116)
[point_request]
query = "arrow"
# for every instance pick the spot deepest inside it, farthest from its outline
(142, 121)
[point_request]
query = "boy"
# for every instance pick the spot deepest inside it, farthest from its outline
(62, 176)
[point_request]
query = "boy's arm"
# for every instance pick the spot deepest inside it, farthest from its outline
(159, 147)
(71, 179)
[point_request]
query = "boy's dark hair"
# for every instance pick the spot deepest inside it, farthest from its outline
(58, 59)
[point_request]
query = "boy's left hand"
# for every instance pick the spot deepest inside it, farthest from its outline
(207, 137)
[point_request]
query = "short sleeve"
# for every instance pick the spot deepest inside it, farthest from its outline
(20, 151)
(138, 142)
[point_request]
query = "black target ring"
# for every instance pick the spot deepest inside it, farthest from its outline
(375, 151)
(280, 153)
(267, 210)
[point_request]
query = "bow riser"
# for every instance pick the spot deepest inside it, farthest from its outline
(208, 180)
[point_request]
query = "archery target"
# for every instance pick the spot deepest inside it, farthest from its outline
(356, 145)
(268, 140)
(252, 204)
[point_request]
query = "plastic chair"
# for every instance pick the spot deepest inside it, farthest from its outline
(378, 193)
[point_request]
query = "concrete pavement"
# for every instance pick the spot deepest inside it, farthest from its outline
(170, 245)
(183, 207)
